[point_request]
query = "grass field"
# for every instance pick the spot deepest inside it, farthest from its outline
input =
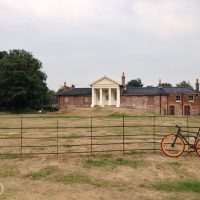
(137, 175)
(133, 176)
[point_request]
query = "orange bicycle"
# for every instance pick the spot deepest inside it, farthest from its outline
(173, 145)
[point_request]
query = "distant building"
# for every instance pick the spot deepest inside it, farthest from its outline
(107, 92)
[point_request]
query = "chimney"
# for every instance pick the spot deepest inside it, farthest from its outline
(65, 87)
(197, 85)
(123, 80)
(160, 84)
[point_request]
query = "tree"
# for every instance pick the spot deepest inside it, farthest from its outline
(166, 84)
(61, 89)
(22, 82)
(50, 95)
(2, 54)
(185, 84)
(135, 83)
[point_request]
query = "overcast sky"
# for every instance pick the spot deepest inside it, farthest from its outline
(79, 41)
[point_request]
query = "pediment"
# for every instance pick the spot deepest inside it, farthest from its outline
(104, 81)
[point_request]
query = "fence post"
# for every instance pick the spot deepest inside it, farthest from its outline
(57, 139)
(123, 137)
(154, 133)
(21, 137)
(188, 130)
(91, 136)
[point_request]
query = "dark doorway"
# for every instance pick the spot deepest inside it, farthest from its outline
(187, 110)
(171, 110)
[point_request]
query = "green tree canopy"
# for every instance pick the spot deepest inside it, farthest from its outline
(22, 82)
(184, 84)
(2, 54)
(166, 84)
(135, 83)
(61, 89)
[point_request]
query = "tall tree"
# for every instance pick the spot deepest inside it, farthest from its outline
(2, 54)
(166, 84)
(185, 84)
(22, 82)
(135, 83)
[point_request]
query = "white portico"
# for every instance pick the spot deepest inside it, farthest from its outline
(105, 92)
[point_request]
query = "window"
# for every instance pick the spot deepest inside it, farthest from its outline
(191, 98)
(178, 98)
(107, 97)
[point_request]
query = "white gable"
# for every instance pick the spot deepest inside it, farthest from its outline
(104, 83)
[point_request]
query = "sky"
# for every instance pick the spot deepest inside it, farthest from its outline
(79, 41)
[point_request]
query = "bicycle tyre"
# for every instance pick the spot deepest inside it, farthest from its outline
(198, 147)
(166, 145)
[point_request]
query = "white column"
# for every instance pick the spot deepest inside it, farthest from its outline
(93, 97)
(118, 97)
(101, 97)
(110, 97)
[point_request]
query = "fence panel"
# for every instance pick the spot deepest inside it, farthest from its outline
(91, 135)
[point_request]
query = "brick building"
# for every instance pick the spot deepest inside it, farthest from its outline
(107, 92)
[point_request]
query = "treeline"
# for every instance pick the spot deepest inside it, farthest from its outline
(22, 82)
(138, 83)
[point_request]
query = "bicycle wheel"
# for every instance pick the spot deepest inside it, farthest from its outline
(198, 147)
(172, 150)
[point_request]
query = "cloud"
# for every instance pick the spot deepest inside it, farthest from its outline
(68, 11)
(166, 18)
(145, 38)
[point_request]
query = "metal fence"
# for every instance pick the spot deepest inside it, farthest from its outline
(90, 135)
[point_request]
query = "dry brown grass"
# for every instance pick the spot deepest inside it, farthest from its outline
(102, 177)
(110, 177)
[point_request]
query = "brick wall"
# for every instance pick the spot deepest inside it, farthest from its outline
(74, 101)
(161, 104)
(154, 104)
(179, 107)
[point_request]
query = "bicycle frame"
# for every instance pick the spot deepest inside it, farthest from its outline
(192, 146)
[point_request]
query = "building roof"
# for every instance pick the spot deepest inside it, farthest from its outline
(104, 77)
(142, 91)
(135, 91)
(76, 92)
(151, 91)
(179, 90)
